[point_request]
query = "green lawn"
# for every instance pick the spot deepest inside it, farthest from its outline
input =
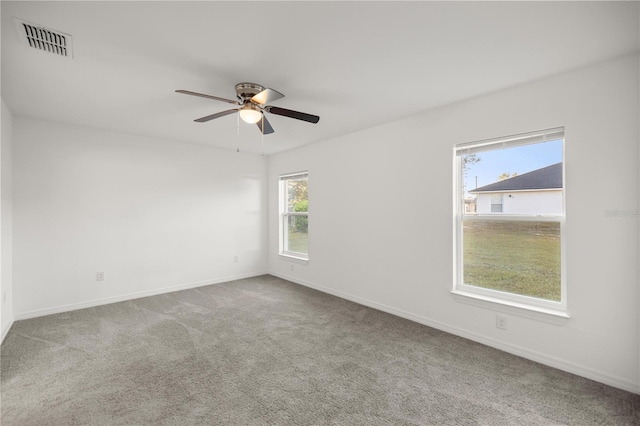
(516, 257)
(299, 242)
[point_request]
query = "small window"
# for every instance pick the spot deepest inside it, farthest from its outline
(496, 203)
(510, 249)
(294, 215)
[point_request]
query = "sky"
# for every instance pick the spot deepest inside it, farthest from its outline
(521, 159)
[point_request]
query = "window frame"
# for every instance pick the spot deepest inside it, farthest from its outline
(285, 215)
(508, 302)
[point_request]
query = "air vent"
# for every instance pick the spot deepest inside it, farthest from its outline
(46, 39)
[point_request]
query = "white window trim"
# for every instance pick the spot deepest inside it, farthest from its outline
(530, 307)
(547, 315)
(295, 257)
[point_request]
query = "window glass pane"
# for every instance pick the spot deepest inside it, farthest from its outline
(294, 205)
(522, 180)
(518, 257)
(297, 234)
(297, 196)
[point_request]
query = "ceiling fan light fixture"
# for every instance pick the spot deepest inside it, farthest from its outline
(250, 115)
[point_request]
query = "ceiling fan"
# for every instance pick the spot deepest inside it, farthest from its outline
(252, 99)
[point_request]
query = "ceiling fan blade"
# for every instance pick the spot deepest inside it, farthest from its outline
(293, 114)
(267, 95)
(267, 129)
(216, 115)
(215, 98)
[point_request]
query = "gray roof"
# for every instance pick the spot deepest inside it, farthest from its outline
(549, 177)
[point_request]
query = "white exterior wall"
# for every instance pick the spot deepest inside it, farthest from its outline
(523, 202)
(405, 265)
(154, 215)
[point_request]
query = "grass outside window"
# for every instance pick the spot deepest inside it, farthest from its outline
(518, 257)
(298, 242)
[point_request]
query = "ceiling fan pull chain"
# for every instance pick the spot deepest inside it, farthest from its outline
(262, 135)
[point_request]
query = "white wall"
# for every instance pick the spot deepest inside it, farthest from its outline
(381, 218)
(153, 215)
(6, 233)
(523, 202)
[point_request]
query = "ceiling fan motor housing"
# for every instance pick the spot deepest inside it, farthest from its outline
(246, 91)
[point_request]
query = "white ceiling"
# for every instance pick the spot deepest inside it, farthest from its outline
(355, 64)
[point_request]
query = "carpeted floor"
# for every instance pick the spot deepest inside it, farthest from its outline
(265, 351)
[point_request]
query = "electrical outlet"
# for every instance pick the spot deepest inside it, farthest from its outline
(100, 276)
(235, 259)
(501, 322)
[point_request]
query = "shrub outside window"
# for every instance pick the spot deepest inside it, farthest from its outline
(294, 215)
(510, 245)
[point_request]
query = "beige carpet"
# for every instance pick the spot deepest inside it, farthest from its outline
(264, 351)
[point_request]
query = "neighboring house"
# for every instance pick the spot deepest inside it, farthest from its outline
(535, 192)
(470, 205)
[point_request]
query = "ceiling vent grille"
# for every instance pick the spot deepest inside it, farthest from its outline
(46, 39)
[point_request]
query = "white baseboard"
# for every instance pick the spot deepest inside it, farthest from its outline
(129, 296)
(560, 364)
(5, 330)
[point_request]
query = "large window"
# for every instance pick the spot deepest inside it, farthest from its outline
(294, 215)
(510, 247)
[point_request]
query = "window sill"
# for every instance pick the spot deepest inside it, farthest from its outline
(547, 315)
(293, 258)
